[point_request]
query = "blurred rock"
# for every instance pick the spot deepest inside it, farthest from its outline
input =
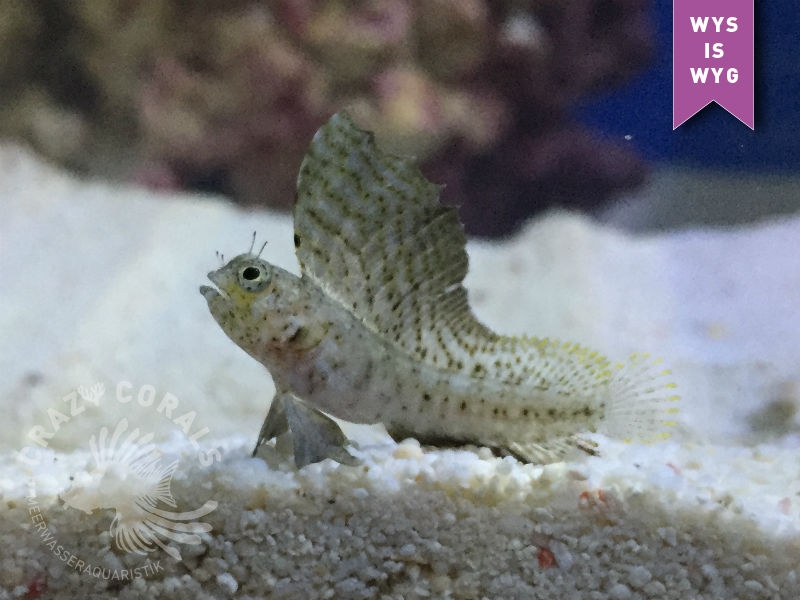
(225, 96)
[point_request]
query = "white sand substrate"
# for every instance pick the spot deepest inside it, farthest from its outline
(103, 326)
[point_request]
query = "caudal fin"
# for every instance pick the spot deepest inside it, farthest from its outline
(641, 406)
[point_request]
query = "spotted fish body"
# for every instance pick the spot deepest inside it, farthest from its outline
(378, 327)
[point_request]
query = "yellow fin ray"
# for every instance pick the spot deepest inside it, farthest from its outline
(639, 402)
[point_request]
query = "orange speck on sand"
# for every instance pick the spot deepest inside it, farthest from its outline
(675, 469)
(592, 499)
(785, 505)
(547, 559)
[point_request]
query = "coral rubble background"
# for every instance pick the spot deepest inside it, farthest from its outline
(224, 96)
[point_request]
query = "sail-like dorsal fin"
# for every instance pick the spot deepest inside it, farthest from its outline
(370, 231)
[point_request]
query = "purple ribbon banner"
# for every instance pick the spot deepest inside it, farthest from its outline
(712, 58)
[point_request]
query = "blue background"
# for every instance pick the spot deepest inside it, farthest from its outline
(714, 138)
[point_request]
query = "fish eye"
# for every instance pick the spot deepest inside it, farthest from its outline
(251, 273)
(254, 278)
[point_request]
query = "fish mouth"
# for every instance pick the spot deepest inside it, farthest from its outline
(211, 292)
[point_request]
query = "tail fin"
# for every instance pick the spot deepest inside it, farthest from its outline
(641, 405)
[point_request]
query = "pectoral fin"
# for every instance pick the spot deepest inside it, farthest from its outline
(315, 436)
(275, 424)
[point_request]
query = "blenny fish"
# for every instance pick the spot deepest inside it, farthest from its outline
(378, 328)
